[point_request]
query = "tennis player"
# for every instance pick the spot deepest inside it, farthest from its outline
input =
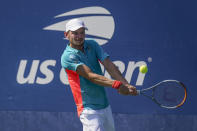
(81, 60)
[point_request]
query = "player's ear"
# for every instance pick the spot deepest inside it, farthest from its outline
(66, 34)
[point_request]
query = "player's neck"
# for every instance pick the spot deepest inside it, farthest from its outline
(78, 47)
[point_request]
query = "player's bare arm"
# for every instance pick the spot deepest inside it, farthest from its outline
(116, 74)
(86, 72)
(113, 71)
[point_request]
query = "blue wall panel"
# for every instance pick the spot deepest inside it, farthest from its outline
(68, 121)
(161, 34)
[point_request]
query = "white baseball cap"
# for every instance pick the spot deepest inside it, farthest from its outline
(75, 24)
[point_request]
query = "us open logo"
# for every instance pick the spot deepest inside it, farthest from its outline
(101, 28)
(99, 21)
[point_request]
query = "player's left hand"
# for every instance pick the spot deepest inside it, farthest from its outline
(132, 90)
(126, 89)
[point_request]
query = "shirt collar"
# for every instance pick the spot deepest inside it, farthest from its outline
(75, 50)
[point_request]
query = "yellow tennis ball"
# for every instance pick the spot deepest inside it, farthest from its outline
(143, 69)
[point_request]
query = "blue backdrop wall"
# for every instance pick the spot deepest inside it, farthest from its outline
(34, 91)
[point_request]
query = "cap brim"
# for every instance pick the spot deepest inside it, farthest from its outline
(76, 28)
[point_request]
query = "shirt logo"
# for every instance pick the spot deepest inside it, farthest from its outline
(99, 21)
(73, 58)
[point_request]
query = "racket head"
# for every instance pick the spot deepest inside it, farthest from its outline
(169, 94)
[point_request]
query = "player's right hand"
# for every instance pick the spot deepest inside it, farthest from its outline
(126, 89)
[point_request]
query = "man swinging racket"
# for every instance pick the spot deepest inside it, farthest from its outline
(81, 60)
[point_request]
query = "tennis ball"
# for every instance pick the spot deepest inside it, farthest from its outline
(143, 69)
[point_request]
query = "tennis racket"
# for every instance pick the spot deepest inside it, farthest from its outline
(167, 94)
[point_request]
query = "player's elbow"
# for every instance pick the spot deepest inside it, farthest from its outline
(91, 76)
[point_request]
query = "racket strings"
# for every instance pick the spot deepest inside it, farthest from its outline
(170, 94)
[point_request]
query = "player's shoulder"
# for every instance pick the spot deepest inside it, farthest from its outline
(69, 58)
(68, 53)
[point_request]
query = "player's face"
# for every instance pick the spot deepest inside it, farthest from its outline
(77, 37)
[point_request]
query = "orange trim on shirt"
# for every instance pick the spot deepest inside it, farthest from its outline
(74, 82)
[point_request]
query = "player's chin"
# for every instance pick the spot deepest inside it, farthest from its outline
(79, 42)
